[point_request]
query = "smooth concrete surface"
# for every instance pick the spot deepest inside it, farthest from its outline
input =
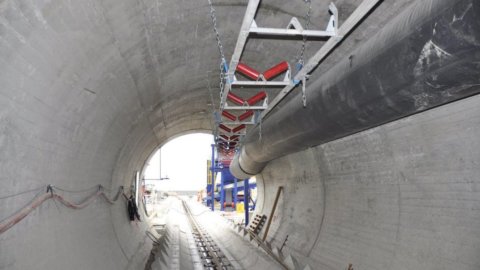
(89, 89)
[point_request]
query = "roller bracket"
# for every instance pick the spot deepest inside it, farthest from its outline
(295, 28)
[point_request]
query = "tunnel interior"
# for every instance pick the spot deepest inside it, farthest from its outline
(379, 169)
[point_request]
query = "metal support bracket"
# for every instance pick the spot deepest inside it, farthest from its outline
(256, 117)
(239, 123)
(233, 108)
(233, 134)
(304, 91)
(288, 83)
(333, 22)
(248, 107)
(295, 28)
(355, 18)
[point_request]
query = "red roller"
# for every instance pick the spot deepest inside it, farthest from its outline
(245, 115)
(229, 115)
(229, 204)
(234, 137)
(276, 70)
(255, 99)
(240, 127)
(248, 71)
(234, 98)
(227, 129)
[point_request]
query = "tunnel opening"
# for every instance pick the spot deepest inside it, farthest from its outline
(179, 164)
(173, 189)
(184, 181)
(177, 167)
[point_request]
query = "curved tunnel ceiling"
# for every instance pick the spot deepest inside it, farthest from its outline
(116, 63)
(89, 88)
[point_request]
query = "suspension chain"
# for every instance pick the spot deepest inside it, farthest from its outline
(213, 15)
(301, 55)
(214, 109)
(223, 77)
(223, 63)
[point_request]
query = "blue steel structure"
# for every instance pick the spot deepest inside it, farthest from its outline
(235, 192)
(236, 187)
(246, 199)
(211, 187)
(226, 179)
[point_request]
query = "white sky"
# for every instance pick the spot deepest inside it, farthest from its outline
(184, 161)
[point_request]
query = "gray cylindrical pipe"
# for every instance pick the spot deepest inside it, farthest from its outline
(425, 57)
(243, 158)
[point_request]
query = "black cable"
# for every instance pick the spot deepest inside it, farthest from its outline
(21, 193)
(57, 188)
(50, 188)
(76, 191)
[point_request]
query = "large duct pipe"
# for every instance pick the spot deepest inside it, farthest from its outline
(427, 56)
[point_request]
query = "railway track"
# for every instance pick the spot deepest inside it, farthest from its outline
(211, 255)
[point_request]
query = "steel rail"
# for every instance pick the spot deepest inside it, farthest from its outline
(219, 262)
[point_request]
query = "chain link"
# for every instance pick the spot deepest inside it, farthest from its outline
(223, 62)
(301, 55)
(223, 77)
(214, 109)
(213, 15)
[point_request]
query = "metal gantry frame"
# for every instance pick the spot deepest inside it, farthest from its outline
(217, 166)
(362, 10)
(212, 181)
(246, 199)
(333, 32)
(249, 26)
(235, 193)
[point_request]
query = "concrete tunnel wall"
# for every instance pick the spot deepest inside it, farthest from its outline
(88, 89)
(400, 196)
(80, 87)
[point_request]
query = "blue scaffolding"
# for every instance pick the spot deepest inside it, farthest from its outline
(228, 185)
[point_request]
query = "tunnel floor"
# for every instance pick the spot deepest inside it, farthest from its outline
(190, 236)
